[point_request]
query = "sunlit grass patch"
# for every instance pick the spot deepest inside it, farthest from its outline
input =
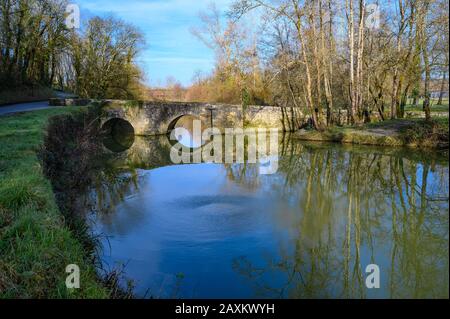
(20, 191)
(435, 106)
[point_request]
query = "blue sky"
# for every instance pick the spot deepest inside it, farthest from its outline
(171, 49)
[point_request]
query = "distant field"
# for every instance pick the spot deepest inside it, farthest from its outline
(434, 106)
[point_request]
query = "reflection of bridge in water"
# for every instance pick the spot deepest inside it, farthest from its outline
(154, 152)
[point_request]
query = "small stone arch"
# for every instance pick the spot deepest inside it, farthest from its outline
(118, 134)
(116, 123)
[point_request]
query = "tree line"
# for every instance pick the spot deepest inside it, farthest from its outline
(37, 48)
(319, 56)
(324, 56)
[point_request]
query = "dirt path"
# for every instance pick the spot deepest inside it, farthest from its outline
(390, 128)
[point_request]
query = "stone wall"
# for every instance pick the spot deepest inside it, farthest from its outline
(69, 102)
(155, 118)
(285, 119)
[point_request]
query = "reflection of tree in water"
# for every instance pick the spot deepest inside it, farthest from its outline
(110, 189)
(116, 175)
(346, 202)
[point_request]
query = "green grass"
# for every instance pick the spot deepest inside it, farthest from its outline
(36, 245)
(434, 106)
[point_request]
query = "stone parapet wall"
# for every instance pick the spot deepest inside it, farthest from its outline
(70, 102)
(285, 119)
(155, 118)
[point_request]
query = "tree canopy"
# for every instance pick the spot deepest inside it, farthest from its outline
(38, 48)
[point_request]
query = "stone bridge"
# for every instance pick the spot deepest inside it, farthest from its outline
(157, 118)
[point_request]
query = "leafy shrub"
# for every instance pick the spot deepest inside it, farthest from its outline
(433, 133)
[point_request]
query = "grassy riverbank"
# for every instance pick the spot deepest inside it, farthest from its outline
(36, 244)
(413, 133)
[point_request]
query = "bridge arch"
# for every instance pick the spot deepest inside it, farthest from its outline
(185, 137)
(184, 120)
(117, 125)
(118, 134)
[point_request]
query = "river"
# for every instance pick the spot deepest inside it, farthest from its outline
(308, 231)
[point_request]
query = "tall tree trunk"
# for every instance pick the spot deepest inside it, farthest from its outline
(317, 62)
(6, 8)
(328, 71)
(351, 44)
(308, 88)
(396, 79)
(403, 102)
(394, 96)
(441, 93)
(426, 61)
(426, 101)
(359, 64)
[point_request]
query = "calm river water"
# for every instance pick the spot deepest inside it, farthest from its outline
(308, 231)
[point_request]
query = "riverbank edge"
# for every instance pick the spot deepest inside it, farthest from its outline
(36, 242)
(419, 134)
